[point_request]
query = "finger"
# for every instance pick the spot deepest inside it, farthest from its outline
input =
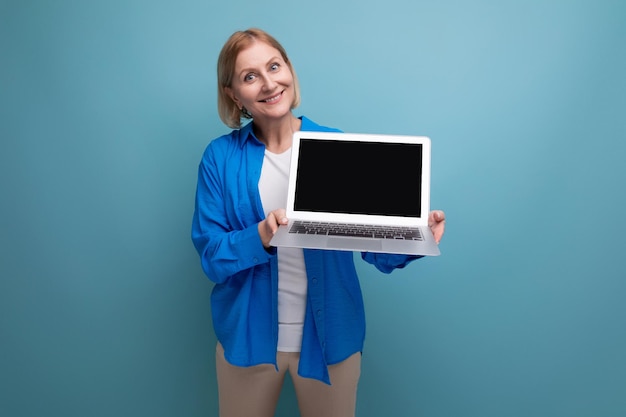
(281, 216)
(273, 223)
(438, 216)
(437, 236)
(432, 218)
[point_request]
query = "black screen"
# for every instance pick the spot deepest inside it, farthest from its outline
(353, 177)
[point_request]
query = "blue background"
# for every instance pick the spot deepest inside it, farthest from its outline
(106, 107)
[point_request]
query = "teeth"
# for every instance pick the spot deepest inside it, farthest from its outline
(269, 100)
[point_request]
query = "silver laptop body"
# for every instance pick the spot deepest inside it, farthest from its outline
(359, 192)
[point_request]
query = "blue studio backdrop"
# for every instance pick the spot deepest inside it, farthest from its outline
(106, 107)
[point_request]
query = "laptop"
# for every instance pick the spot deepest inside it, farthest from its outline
(359, 192)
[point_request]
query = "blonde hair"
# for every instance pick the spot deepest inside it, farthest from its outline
(228, 111)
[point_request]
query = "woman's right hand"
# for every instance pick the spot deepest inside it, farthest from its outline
(269, 226)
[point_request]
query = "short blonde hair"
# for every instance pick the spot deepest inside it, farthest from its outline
(228, 111)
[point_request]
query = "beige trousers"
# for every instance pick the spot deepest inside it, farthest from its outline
(254, 391)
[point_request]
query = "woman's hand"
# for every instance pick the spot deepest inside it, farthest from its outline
(269, 226)
(437, 224)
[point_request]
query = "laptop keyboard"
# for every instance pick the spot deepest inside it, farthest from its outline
(356, 230)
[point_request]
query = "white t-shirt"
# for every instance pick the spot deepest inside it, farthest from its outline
(292, 280)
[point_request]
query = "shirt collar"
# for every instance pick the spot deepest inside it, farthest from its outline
(247, 134)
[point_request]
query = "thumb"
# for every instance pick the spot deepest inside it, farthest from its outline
(281, 216)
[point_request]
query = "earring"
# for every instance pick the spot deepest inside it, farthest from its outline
(245, 113)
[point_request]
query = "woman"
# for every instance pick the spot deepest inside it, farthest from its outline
(275, 310)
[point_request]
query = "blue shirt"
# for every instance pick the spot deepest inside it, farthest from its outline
(244, 299)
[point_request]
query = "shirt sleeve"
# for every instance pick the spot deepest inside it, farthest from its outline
(387, 262)
(225, 249)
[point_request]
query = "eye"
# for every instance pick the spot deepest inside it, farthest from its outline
(249, 76)
(275, 66)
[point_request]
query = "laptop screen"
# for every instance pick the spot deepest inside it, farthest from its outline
(353, 177)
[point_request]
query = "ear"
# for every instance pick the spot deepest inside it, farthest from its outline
(229, 91)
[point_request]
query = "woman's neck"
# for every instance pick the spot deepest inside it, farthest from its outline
(277, 135)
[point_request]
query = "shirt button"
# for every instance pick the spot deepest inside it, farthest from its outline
(319, 312)
(314, 280)
(255, 260)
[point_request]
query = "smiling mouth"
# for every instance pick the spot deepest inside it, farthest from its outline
(273, 98)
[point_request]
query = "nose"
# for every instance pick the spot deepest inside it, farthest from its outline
(268, 82)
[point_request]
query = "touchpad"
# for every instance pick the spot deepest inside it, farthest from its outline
(356, 245)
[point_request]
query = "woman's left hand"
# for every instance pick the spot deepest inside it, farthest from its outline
(437, 224)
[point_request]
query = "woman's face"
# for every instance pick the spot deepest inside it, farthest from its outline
(262, 82)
